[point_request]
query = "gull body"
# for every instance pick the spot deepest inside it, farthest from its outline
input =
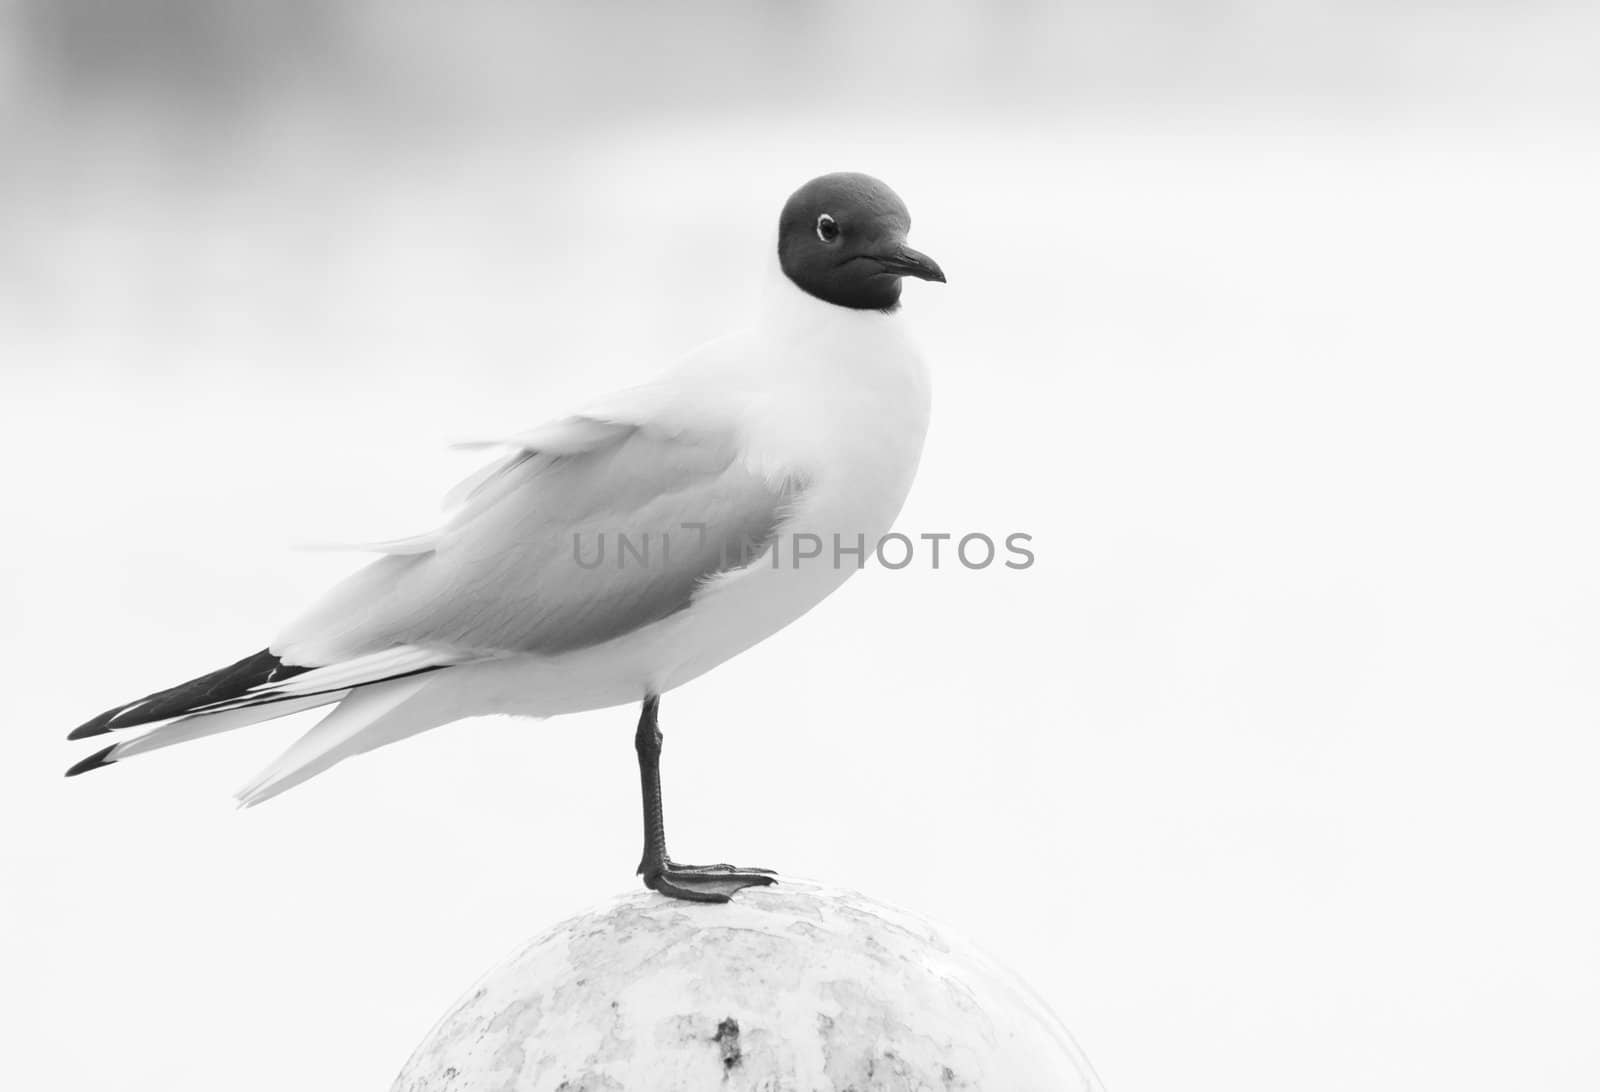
(806, 425)
(828, 408)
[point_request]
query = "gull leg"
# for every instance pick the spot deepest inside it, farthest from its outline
(696, 883)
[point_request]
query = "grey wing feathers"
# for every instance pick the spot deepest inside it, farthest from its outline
(558, 551)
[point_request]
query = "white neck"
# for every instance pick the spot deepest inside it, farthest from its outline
(787, 306)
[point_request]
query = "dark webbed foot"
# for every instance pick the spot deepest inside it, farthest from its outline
(696, 883)
(704, 883)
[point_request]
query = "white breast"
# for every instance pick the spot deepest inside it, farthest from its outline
(850, 420)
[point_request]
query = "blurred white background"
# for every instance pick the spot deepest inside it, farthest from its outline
(1273, 323)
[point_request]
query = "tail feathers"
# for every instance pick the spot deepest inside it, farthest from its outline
(366, 718)
(199, 726)
(198, 708)
(238, 681)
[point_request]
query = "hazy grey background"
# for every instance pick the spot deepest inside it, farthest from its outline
(1274, 323)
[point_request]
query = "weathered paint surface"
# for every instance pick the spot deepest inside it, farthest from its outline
(794, 988)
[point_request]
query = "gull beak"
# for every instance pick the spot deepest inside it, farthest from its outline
(905, 262)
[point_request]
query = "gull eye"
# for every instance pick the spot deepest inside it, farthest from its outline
(827, 228)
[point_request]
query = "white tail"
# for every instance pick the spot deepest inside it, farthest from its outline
(366, 718)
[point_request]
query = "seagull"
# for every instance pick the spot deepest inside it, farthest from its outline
(606, 557)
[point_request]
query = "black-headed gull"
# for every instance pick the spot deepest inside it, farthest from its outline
(615, 554)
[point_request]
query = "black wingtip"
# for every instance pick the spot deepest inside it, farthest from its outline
(99, 726)
(236, 681)
(94, 762)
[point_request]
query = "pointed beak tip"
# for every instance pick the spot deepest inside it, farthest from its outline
(906, 262)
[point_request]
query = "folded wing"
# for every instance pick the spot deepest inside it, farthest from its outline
(586, 531)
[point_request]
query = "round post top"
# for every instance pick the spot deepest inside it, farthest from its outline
(793, 987)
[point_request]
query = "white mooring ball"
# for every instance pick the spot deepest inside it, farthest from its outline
(792, 988)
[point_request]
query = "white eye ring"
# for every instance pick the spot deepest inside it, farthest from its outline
(827, 228)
